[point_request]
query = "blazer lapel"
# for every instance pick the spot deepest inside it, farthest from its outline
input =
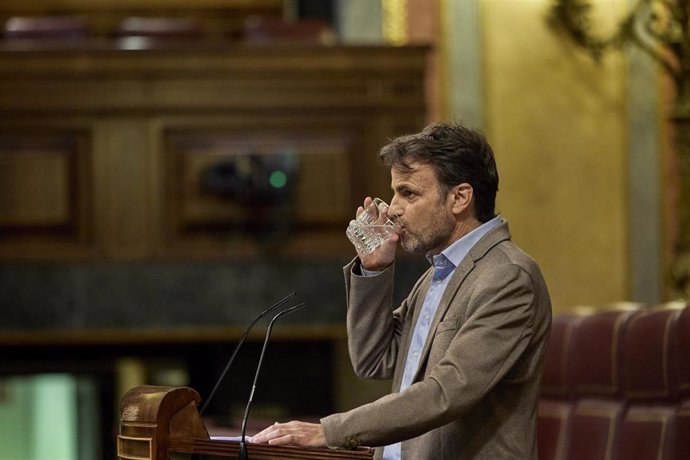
(417, 299)
(479, 250)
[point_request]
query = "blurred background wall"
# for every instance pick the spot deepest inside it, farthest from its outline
(118, 269)
(581, 192)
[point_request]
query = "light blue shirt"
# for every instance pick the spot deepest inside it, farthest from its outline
(444, 265)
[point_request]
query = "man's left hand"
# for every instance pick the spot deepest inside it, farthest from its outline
(293, 433)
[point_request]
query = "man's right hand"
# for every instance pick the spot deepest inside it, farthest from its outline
(383, 256)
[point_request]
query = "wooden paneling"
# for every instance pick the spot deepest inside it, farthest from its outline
(35, 188)
(122, 171)
(148, 124)
(322, 192)
(81, 5)
(103, 17)
(327, 182)
(45, 195)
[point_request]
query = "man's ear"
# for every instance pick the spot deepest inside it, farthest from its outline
(462, 197)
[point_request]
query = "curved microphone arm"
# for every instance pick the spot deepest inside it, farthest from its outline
(273, 307)
(243, 448)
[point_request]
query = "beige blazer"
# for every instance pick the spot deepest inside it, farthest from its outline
(475, 393)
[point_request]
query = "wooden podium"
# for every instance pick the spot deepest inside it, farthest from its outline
(157, 421)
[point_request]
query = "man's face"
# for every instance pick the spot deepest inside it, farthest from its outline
(428, 225)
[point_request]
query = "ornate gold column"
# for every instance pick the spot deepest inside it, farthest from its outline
(661, 29)
(680, 116)
(394, 21)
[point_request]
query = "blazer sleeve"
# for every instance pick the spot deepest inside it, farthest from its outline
(479, 353)
(373, 328)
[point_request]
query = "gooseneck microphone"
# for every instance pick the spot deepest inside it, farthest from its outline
(243, 446)
(273, 307)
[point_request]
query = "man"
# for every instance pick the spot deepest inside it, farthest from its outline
(465, 349)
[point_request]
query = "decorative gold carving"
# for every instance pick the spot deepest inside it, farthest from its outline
(659, 28)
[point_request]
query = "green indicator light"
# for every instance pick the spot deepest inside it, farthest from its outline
(278, 179)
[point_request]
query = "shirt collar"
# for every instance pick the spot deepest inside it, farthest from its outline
(457, 251)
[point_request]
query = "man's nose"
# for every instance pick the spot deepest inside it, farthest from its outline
(394, 210)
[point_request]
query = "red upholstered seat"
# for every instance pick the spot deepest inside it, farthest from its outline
(555, 381)
(553, 422)
(682, 435)
(651, 388)
(650, 355)
(647, 432)
(683, 355)
(595, 364)
(616, 386)
(596, 373)
(555, 405)
(594, 428)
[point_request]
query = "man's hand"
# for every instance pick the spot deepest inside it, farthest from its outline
(293, 433)
(384, 255)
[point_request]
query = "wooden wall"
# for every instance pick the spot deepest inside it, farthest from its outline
(104, 149)
(111, 245)
(221, 18)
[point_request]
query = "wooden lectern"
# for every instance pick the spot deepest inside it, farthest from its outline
(157, 422)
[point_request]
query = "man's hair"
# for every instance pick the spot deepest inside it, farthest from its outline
(457, 154)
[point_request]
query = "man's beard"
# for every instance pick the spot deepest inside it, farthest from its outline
(427, 238)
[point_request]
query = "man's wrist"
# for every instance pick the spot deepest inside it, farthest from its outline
(372, 270)
(366, 272)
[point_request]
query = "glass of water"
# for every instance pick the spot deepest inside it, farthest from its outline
(371, 228)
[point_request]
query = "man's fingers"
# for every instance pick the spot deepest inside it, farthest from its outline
(270, 434)
(264, 435)
(282, 440)
(294, 433)
(282, 434)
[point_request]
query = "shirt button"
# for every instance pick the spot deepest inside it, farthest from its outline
(415, 354)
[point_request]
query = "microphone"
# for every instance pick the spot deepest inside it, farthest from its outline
(273, 307)
(243, 446)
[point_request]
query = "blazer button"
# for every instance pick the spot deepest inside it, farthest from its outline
(351, 443)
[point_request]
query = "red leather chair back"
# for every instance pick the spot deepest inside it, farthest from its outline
(596, 364)
(682, 435)
(650, 349)
(683, 355)
(597, 375)
(555, 405)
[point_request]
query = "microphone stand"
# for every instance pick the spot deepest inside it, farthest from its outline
(243, 446)
(273, 307)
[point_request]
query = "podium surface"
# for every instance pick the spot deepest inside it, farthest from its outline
(157, 422)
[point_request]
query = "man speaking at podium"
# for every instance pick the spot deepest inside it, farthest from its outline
(466, 347)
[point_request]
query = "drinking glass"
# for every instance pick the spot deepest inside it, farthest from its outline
(371, 228)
